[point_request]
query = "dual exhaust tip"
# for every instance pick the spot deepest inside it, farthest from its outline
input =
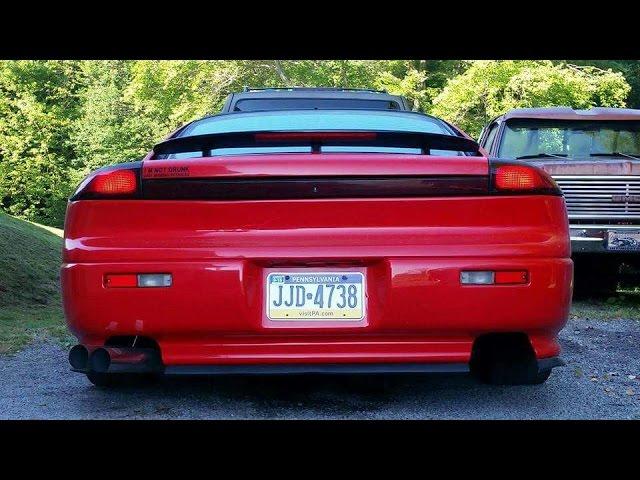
(115, 360)
(79, 357)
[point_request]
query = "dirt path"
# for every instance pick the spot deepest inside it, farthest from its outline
(598, 382)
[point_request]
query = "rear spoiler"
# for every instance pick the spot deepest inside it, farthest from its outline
(316, 139)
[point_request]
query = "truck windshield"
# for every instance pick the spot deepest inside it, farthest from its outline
(570, 139)
(318, 120)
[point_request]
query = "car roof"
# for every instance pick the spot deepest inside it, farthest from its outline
(567, 113)
(272, 90)
(313, 93)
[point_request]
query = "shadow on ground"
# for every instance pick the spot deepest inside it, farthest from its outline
(600, 381)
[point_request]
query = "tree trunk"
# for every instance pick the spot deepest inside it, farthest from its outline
(281, 74)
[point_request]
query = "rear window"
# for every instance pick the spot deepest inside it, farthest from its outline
(310, 120)
(257, 104)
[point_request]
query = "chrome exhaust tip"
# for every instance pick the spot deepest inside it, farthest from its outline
(79, 357)
(100, 360)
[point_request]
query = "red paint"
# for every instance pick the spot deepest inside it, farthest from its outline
(121, 280)
(411, 251)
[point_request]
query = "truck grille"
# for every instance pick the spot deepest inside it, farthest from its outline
(603, 197)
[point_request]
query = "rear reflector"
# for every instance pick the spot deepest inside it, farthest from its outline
(512, 277)
(116, 182)
(121, 280)
(142, 280)
(494, 278)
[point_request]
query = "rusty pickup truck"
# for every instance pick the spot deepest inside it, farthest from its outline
(594, 156)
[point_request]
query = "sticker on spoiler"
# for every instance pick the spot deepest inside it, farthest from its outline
(159, 172)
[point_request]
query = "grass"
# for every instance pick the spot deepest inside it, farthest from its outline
(626, 304)
(30, 304)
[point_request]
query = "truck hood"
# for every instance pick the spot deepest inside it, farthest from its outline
(590, 167)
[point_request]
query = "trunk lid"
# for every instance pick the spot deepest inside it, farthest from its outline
(326, 164)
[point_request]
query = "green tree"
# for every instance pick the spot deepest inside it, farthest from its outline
(630, 69)
(61, 119)
(105, 132)
(38, 105)
(490, 88)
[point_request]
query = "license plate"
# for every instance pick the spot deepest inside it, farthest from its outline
(315, 296)
(623, 240)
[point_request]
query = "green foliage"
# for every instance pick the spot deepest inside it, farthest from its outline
(61, 119)
(105, 131)
(490, 88)
(630, 69)
(38, 105)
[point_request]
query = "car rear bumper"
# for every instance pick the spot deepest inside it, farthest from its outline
(337, 368)
(416, 313)
(317, 369)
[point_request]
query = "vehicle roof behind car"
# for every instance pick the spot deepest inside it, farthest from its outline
(566, 113)
(296, 98)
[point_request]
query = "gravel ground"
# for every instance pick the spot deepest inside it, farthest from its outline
(600, 381)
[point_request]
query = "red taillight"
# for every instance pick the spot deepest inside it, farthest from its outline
(311, 136)
(516, 178)
(116, 182)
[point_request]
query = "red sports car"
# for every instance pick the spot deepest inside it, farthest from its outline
(317, 241)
